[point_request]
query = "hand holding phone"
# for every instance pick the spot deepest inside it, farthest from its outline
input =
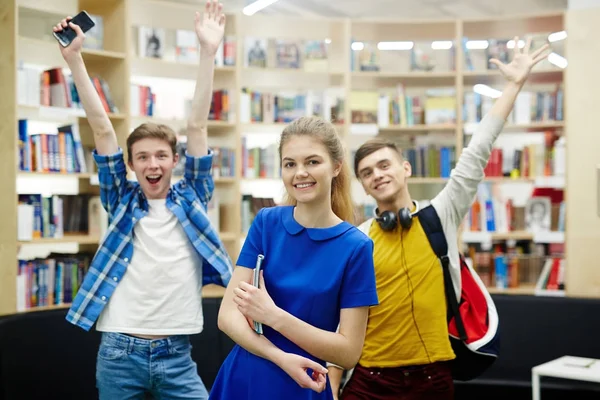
(65, 34)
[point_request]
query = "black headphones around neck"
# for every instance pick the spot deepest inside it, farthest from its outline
(388, 220)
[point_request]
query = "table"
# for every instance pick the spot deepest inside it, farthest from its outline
(566, 367)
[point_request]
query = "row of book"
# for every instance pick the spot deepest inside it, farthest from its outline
(284, 107)
(544, 211)
(51, 281)
(260, 162)
(425, 56)
(395, 107)
(529, 161)
(308, 55)
(428, 160)
(56, 151)
(517, 266)
(143, 102)
(530, 106)
(153, 42)
(250, 207)
(54, 216)
(223, 162)
(54, 88)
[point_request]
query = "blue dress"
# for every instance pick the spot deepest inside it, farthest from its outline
(309, 272)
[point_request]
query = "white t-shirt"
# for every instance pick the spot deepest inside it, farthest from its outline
(161, 290)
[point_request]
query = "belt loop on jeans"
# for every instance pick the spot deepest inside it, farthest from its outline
(130, 345)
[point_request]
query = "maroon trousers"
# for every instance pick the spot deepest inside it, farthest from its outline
(423, 382)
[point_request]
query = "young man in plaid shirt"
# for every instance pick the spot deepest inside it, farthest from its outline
(143, 289)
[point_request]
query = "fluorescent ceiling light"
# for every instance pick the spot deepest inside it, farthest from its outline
(357, 46)
(327, 40)
(556, 36)
(485, 90)
(557, 60)
(395, 45)
(511, 44)
(477, 44)
(441, 45)
(258, 5)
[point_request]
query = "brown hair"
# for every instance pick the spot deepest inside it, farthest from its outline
(150, 130)
(341, 201)
(370, 147)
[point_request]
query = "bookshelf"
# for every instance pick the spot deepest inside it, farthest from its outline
(120, 63)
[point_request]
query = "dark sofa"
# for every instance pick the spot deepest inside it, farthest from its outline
(44, 357)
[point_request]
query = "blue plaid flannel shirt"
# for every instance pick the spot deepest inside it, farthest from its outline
(126, 204)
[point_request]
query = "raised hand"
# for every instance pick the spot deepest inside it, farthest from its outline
(519, 68)
(74, 48)
(297, 368)
(210, 26)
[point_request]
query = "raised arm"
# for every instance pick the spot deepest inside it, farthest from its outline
(105, 137)
(456, 198)
(210, 28)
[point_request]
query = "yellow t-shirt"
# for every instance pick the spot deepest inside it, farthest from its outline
(392, 340)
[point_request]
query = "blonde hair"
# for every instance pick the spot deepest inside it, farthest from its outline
(325, 132)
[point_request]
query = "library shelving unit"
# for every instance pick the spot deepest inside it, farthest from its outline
(27, 38)
(120, 63)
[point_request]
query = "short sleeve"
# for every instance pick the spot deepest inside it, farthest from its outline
(358, 285)
(253, 244)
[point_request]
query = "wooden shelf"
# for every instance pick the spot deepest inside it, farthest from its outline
(291, 71)
(417, 128)
(555, 182)
(57, 114)
(153, 67)
(180, 123)
(225, 180)
(45, 52)
(404, 75)
(208, 291)
(35, 174)
(537, 126)
(422, 180)
(228, 236)
(78, 239)
(513, 291)
(536, 76)
(46, 308)
(528, 291)
(481, 237)
(488, 237)
(102, 55)
(374, 79)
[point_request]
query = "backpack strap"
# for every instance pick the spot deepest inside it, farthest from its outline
(434, 231)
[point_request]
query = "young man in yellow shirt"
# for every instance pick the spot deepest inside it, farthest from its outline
(407, 351)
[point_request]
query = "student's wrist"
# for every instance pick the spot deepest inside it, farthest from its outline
(512, 86)
(277, 319)
(74, 59)
(207, 53)
(276, 355)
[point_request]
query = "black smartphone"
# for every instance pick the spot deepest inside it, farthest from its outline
(66, 36)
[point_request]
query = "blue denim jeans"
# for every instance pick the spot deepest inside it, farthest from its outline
(127, 368)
